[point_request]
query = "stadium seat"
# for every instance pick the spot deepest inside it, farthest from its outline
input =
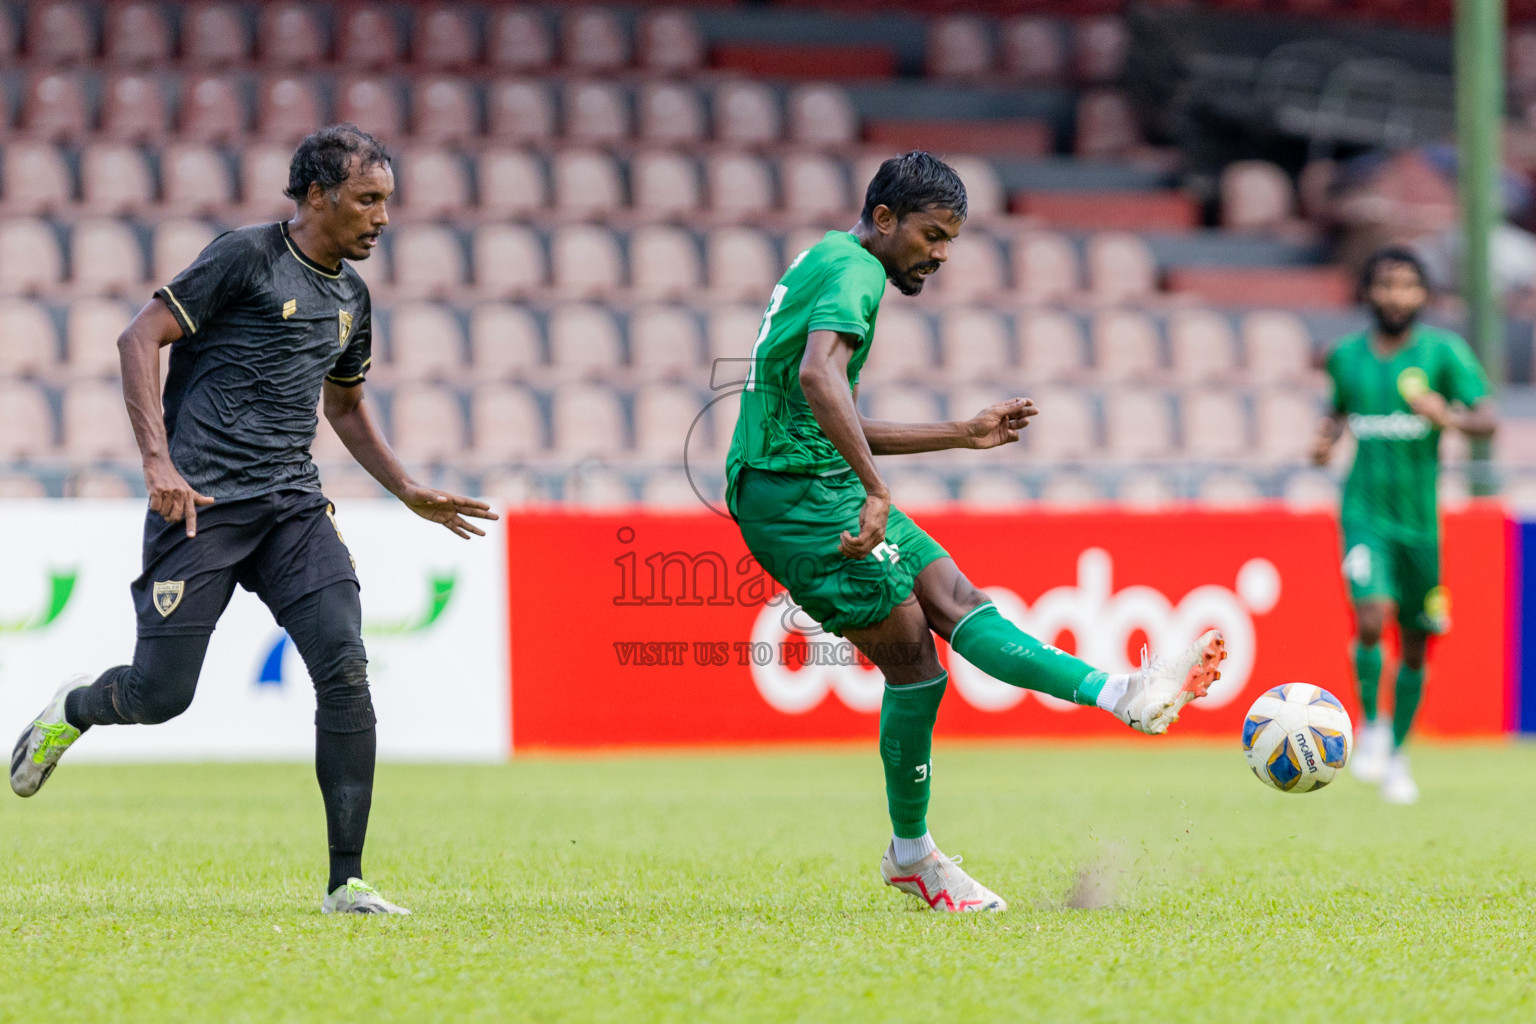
(815, 187)
(1044, 266)
(263, 178)
(1121, 268)
(511, 184)
(1070, 490)
(98, 484)
(211, 110)
(1099, 48)
(444, 38)
(509, 261)
(1256, 195)
(741, 264)
(30, 259)
(1034, 50)
(585, 262)
(731, 330)
(372, 104)
(114, 179)
(194, 180)
(59, 32)
(665, 343)
(428, 261)
(959, 46)
(991, 490)
(724, 409)
(214, 35)
(669, 113)
(1065, 429)
(595, 113)
(518, 39)
(587, 421)
(1138, 424)
(290, 35)
(586, 182)
(918, 490)
(136, 35)
(665, 414)
(977, 345)
(106, 259)
(974, 271)
(54, 108)
(670, 490)
(26, 421)
(443, 111)
(512, 488)
(1106, 125)
(1229, 490)
(593, 39)
(902, 403)
(36, 179)
(1311, 491)
(503, 342)
(1145, 489)
(288, 108)
(1125, 346)
(367, 37)
(902, 350)
(431, 183)
(664, 183)
(1051, 346)
(506, 424)
(134, 108)
(664, 263)
(175, 245)
(96, 423)
(584, 342)
(20, 486)
(519, 111)
(597, 487)
(1202, 345)
(29, 344)
(740, 185)
(1287, 424)
(1278, 347)
(746, 113)
(426, 342)
(966, 400)
(1215, 425)
(800, 239)
(823, 116)
(984, 192)
(426, 424)
(92, 328)
(668, 42)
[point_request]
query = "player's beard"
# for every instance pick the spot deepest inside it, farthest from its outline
(910, 282)
(1394, 325)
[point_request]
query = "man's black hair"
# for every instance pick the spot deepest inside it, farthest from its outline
(915, 181)
(325, 158)
(1389, 254)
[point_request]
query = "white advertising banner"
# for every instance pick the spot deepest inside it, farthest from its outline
(434, 621)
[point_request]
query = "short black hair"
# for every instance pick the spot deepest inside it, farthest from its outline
(1390, 254)
(915, 181)
(325, 158)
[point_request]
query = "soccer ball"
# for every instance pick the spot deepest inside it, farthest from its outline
(1297, 737)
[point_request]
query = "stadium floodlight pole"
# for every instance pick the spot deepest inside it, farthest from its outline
(1479, 114)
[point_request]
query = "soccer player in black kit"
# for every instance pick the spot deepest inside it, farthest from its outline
(258, 325)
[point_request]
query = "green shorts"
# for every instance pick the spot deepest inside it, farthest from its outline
(792, 524)
(1404, 572)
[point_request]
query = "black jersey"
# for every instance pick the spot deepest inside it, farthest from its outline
(262, 327)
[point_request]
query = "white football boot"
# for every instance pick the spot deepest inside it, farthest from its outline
(1397, 785)
(358, 897)
(43, 742)
(1156, 694)
(938, 881)
(1373, 750)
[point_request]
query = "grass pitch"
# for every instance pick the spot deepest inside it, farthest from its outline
(1146, 882)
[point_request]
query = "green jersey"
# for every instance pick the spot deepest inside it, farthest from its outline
(1392, 485)
(835, 285)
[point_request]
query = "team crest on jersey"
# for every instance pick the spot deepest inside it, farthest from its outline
(167, 595)
(1412, 383)
(343, 327)
(290, 307)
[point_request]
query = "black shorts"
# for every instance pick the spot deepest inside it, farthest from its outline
(280, 546)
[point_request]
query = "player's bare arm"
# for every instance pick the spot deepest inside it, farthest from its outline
(1328, 433)
(348, 415)
(824, 380)
(138, 351)
(997, 424)
(1481, 420)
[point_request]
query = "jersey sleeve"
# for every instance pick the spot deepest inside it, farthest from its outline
(217, 278)
(352, 365)
(849, 298)
(1465, 380)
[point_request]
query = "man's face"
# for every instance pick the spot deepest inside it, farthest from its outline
(1396, 297)
(913, 247)
(355, 220)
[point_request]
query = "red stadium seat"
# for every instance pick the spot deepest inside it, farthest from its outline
(426, 342)
(519, 110)
(665, 183)
(1278, 347)
(747, 114)
(443, 111)
(1121, 267)
(587, 421)
(444, 38)
(1256, 195)
(1034, 50)
(505, 424)
(903, 348)
(1203, 346)
(1070, 490)
(511, 183)
(664, 416)
(1145, 489)
(1215, 425)
(372, 104)
(96, 423)
(1051, 346)
(428, 261)
(176, 244)
(670, 490)
(822, 115)
(214, 35)
(1141, 210)
(134, 108)
(509, 262)
(741, 264)
(194, 180)
(20, 486)
(115, 179)
(730, 332)
(1137, 425)
(263, 179)
(1044, 266)
(288, 107)
(973, 272)
(36, 179)
(26, 421)
(984, 193)
(431, 183)
(664, 342)
(977, 345)
(596, 113)
(815, 187)
(740, 186)
(670, 113)
(503, 343)
(993, 490)
(211, 109)
(30, 259)
(586, 183)
(367, 37)
(1287, 424)
(1125, 346)
(597, 487)
(426, 424)
(1295, 287)
(585, 262)
(29, 344)
(664, 263)
(1106, 125)
(583, 341)
(593, 39)
(959, 46)
(1099, 48)
(54, 107)
(90, 337)
(1228, 490)
(519, 39)
(919, 490)
(136, 35)
(290, 35)
(60, 32)
(512, 488)
(106, 259)
(669, 42)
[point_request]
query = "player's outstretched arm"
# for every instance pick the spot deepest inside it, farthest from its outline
(824, 381)
(995, 425)
(1328, 433)
(138, 351)
(1481, 420)
(348, 415)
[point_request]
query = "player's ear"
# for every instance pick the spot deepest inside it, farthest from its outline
(885, 220)
(315, 199)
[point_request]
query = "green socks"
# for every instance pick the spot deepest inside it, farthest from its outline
(1368, 673)
(1405, 702)
(907, 714)
(1002, 650)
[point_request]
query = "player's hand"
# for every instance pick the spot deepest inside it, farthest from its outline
(170, 496)
(1433, 407)
(872, 517)
(999, 424)
(1322, 448)
(448, 509)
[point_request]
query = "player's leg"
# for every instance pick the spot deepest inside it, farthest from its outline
(1370, 572)
(1422, 613)
(1148, 701)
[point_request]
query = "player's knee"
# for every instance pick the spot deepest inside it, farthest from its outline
(158, 703)
(343, 702)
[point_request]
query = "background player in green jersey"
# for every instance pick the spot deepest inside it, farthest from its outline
(804, 489)
(1397, 387)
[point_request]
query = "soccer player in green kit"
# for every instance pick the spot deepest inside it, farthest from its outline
(803, 486)
(1397, 387)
